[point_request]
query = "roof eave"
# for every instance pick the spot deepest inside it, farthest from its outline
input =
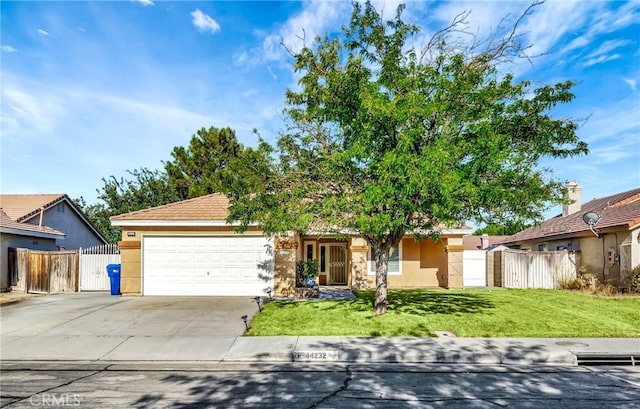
(175, 223)
(40, 234)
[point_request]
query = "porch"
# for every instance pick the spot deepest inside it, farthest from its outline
(413, 264)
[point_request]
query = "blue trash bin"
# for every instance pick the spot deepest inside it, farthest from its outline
(113, 271)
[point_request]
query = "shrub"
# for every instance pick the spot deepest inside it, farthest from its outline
(589, 283)
(578, 283)
(604, 289)
(304, 271)
(632, 280)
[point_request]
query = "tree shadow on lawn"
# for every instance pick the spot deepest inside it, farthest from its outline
(431, 302)
(417, 302)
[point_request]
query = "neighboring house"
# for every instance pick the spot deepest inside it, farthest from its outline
(609, 248)
(187, 248)
(56, 211)
(475, 259)
(42, 222)
(15, 235)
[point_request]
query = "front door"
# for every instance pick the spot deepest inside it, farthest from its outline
(333, 262)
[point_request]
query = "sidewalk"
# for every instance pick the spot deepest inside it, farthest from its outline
(507, 351)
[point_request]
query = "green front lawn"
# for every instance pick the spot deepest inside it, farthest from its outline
(466, 313)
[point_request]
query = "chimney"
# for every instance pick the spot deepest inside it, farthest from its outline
(484, 241)
(572, 199)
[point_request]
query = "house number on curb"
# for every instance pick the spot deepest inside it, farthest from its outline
(315, 356)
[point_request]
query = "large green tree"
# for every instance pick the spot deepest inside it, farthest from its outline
(202, 167)
(143, 189)
(386, 140)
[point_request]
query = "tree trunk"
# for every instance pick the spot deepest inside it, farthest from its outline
(382, 266)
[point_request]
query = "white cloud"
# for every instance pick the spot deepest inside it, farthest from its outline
(145, 3)
(609, 123)
(42, 32)
(273, 75)
(601, 54)
(8, 49)
(204, 22)
(625, 147)
(240, 58)
(300, 30)
(600, 59)
(632, 83)
(607, 46)
(28, 112)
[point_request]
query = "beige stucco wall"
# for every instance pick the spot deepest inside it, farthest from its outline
(425, 264)
(594, 256)
(635, 247)
(285, 273)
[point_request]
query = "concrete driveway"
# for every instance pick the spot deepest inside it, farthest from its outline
(95, 326)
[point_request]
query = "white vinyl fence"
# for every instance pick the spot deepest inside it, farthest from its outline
(93, 266)
(539, 269)
(474, 268)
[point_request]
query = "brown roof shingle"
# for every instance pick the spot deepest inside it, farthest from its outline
(22, 207)
(619, 210)
(7, 223)
(203, 208)
(475, 242)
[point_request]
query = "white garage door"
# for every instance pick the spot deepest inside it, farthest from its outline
(198, 265)
(474, 268)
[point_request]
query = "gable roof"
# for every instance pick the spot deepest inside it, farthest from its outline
(475, 242)
(9, 226)
(22, 208)
(210, 209)
(618, 211)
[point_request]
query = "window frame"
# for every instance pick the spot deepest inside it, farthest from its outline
(371, 269)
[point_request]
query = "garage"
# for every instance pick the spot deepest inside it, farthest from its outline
(207, 265)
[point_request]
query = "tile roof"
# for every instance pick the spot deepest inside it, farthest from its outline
(23, 207)
(203, 208)
(621, 210)
(7, 223)
(475, 242)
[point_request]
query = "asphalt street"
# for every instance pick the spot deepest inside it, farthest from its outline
(297, 385)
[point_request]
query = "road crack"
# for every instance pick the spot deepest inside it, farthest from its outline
(93, 373)
(345, 384)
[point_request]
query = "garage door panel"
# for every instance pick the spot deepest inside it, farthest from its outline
(228, 265)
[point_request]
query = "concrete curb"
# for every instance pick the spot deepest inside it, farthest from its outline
(305, 350)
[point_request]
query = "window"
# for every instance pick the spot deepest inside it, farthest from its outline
(395, 264)
(309, 250)
(323, 259)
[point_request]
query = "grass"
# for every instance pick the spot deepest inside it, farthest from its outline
(466, 313)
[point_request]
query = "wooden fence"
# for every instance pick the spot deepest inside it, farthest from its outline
(46, 271)
(532, 269)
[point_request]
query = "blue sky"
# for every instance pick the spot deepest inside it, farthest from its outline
(91, 89)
